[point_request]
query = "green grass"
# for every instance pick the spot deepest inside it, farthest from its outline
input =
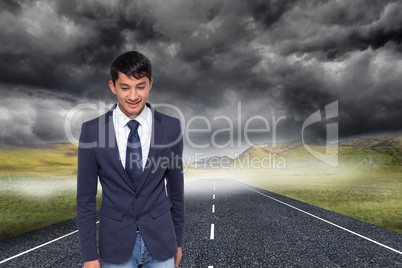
(30, 203)
(49, 159)
(38, 185)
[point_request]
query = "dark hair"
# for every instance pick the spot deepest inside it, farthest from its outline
(132, 64)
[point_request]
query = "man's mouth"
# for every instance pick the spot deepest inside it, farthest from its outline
(133, 104)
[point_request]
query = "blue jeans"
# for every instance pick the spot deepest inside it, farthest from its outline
(141, 256)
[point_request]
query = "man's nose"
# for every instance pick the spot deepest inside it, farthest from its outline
(133, 94)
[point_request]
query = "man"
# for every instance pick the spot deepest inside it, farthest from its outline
(133, 149)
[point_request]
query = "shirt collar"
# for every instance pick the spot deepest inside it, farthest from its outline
(123, 119)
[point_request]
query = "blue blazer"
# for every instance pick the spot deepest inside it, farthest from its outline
(158, 212)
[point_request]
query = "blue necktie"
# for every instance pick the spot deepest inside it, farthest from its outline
(134, 154)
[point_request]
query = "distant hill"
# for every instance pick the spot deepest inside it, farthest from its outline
(363, 153)
(377, 151)
(275, 149)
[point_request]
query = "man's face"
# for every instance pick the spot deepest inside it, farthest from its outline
(132, 93)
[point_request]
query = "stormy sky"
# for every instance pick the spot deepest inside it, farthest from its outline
(226, 65)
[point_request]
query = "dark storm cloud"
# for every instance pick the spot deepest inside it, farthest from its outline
(11, 6)
(38, 116)
(331, 29)
(67, 45)
(269, 12)
(276, 57)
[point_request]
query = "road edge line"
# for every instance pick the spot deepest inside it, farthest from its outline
(338, 226)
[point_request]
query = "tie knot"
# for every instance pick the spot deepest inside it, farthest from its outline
(133, 125)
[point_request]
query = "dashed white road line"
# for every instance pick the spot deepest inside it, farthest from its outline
(213, 211)
(212, 231)
(312, 215)
(44, 244)
(210, 266)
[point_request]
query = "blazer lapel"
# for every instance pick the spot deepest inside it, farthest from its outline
(108, 137)
(156, 139)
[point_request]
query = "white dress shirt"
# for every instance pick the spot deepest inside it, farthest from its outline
(122, 131)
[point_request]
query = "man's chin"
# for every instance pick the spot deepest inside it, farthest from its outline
(134, 111)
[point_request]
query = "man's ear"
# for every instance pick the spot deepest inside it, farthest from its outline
(112, 87)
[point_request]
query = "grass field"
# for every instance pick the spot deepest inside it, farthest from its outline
(29, 203)
(42, 160)
(38, 184)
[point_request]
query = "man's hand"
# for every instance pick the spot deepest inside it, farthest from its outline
(92, 264)
(177, 258)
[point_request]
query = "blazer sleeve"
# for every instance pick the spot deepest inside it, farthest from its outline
(87, 183)
(175, 185)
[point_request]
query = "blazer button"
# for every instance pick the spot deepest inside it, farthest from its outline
(137, 218)
(136, 197)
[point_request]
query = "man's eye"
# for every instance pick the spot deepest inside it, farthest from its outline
(141, 87)
(124, 88)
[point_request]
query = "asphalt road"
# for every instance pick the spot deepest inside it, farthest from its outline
(257, 228)
(230, 224)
